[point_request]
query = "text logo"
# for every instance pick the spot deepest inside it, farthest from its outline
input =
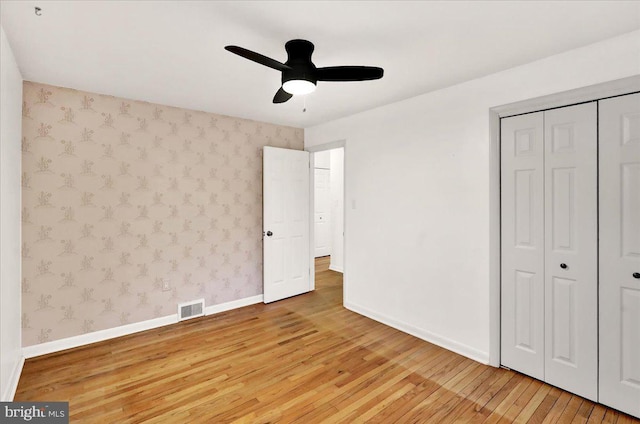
(34, 412)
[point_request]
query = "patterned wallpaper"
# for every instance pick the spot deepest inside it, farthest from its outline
(121, 195)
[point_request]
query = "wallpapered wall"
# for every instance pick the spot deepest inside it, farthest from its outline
(119, 195)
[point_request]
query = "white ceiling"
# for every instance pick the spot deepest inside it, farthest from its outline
(171, 52)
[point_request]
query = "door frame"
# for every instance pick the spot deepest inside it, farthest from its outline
(314, 149)
(590, 93)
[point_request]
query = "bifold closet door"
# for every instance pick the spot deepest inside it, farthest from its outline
(620, 253)
(522, 243)
(549, 247)
(571, 249)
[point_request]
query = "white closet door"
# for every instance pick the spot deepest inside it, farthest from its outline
(620, 253)
(522, 197)
(322, 213)
(571, 237)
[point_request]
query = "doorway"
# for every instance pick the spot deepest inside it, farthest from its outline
(327, 220)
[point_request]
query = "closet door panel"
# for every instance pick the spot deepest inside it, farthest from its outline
(619, 144)
(522, 315)
(571, 320)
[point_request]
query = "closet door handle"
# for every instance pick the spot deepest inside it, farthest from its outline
(563, 266)
(636, 275)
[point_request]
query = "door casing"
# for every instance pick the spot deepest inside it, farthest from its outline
(319, 148)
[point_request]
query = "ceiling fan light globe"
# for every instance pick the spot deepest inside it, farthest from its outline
(299, 87)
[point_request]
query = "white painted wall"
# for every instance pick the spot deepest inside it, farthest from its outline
(417, 190)
(10, 204)
(336, 178)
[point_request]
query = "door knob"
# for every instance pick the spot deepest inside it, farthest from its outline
(563, 266)
(269, 233)
(636, 275)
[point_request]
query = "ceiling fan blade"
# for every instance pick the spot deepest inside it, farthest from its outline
(281, 96)
(258, 58)
(349, 73)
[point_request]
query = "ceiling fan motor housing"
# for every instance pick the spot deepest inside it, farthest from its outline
(299, 60)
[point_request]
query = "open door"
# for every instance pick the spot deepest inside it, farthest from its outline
(285, 223)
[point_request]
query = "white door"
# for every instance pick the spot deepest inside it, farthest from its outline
(322, 213)
(571, 242)
(285, 223)
(620, 253)
(522, 275)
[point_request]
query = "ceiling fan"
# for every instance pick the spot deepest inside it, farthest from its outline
(300, 75)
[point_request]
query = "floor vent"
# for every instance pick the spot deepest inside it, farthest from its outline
(192, 309)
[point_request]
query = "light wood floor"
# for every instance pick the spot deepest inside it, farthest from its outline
(304, 359)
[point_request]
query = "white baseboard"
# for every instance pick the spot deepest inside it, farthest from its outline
(336, 269)
(10, 392)
(462, 349)
(96, 336)
(234, 304)
(110, 333)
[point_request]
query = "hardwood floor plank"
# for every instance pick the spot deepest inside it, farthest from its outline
(536, 401)
(597, 415)
(558, 408)
(463, 411)
(481, 408)
(583, 413)
(441, 405)
(521, 402)
(545, 406)
(377, 403)
(571, 410)
(503, 407)
(305, 359)
(610, 417)
(425, 385)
